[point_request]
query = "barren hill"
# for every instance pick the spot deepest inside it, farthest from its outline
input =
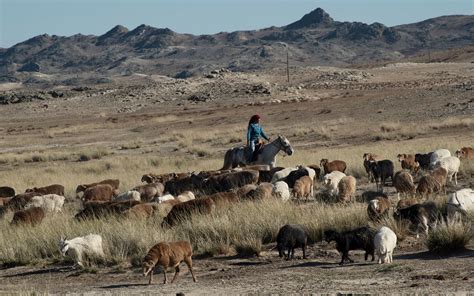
(315, 39)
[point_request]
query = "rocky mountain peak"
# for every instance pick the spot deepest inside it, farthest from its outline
(315, 18)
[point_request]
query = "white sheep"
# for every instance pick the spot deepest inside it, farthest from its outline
(164, 198)
(461, 201)
(450, 164)
(186, 196)
(282, 174)
(51, 203)
(281, 190)
(437, 156)
(128, 195)
(331, 182)
(385, 240)
(76, 248)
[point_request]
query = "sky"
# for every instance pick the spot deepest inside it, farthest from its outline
(23, 19)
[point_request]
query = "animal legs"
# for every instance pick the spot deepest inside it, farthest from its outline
(175, 273)
(151, 277)
(189, 263)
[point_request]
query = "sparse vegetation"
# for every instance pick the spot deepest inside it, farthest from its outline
(449, 237)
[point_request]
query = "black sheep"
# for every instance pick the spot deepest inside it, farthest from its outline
(382, 170)
(422, 215)
(292, 236)
(423, 160)
(294, 176)
(360, 238)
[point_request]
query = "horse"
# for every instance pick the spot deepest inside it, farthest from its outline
(237, 156)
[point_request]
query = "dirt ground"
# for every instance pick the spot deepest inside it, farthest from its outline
(351, 104)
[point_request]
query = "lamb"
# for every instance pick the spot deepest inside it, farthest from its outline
(82, 246)
(100, 192)
(128, 195)
(408, 162)
(31, 216)
(50, 203)
(465, 153)
(368, 158)
(331, 182)
(335, 165)
(405, 203)
(461, 201)
(360, 238)
(149, 191)
(281, 190)
(427, 186)
(292, 236)
(346, 189)
(186, 196)
(303, 188)
(382, 170)
(424, 216)
(440, 175)
(385, 241)
(51, 189)
(437, 156)
(403, 183)
(450, 164)
(168, 254)
(378, 208)
(423, 160)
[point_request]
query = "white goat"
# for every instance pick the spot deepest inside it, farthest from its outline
(186, 196)
(281, 190)
(163, 198)
(451, 164)
(385, 241)
(461, 201)
(331, 182)
(437, 156)
(128, 195)
(51, 203)
(76, 248)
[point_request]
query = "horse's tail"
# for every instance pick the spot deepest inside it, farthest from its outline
(227, 160)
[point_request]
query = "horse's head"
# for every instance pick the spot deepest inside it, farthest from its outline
(285, 145)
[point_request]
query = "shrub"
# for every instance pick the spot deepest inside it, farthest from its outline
(449, 237)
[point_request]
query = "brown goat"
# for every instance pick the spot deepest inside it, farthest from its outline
(427, 186)
(184, 210)
(51, 189)
(408, 162)
(378, 208)
(403, 183)
(441, 176)
(347, 189)
(303, 188)
(405, 203)
(166, 255)
(100, 192)
(31, 216)
(465, 152)
(149, 191)
(335, 165)
(112, 182)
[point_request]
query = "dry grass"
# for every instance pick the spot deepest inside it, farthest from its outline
(449, 237)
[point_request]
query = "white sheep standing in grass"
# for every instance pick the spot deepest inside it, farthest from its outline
(331, 182)
(79, 247)
(451, 164)
(385, 240)
(281, 190)
(128, 195)
(50, 203)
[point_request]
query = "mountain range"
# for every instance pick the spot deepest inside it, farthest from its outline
(316, 39)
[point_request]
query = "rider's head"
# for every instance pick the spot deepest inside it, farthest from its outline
(254, 119)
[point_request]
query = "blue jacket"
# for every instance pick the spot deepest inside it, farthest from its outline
(255, 132)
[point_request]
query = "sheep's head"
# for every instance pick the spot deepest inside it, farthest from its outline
(147, 267)
(63, 246)
(323, 162)
(147, 178)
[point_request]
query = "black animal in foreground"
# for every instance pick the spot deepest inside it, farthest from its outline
(356, 239)
(292, 236)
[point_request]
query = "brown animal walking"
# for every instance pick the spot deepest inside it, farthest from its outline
(168, 254)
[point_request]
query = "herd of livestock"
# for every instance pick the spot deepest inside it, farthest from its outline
(178, 195)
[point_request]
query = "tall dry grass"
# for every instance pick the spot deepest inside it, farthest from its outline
(243, 227)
